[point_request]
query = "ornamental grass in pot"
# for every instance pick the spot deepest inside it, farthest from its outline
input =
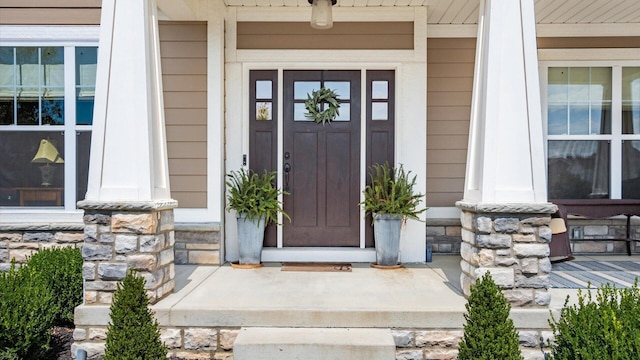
(255, 199)
(391, 200)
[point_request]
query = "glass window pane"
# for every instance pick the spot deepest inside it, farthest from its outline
(578, 169)
(6, 110)
(27, 66)
(631, 100)
(631, 169)
(7, 85)
(600, 84)
(579, 119)
(631, 83)
(86, 66)
(601, 118)
(83, 146)
(302, 88)
(579, 84)
(6, 67)
(557, 119)
(27, 180)
(263, 111)
(28, 107)
(52, 67)
(379, 111)
(298, 112)
(558, 85)
(342, 88)
(53, 110)
(344, 112)
(84, 107)
(631, 117)
(264, 89)
(380, 90)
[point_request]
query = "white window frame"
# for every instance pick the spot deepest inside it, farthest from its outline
(616, 137)
(68, 37)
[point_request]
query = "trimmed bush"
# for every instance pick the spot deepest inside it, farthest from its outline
(133, 332)
(27, 312)
(607, 328)
(489, 333)
(61, 270)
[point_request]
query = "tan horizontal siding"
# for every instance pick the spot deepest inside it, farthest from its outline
(350, 35)
(183, 49)
(186, 133)
(589, 42)
(186, 149)
(189, 199)
(450, 65)
(49, 16)
(50, 3)
(185, 117)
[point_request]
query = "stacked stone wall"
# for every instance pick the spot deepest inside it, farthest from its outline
(206, 343)
(19, 241)
(444, 235)
(197, 244)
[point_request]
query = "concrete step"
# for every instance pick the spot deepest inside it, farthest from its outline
(314, 344)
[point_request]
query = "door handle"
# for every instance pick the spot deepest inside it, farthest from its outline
(287, 170)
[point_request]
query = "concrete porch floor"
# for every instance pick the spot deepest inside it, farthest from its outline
(417, 296)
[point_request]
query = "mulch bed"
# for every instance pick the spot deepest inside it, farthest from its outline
(61, 340)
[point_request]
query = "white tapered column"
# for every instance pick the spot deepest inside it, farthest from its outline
(128, 145)
(129, 222)
(505, 214)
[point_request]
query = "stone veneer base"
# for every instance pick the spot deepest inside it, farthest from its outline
(511, 241)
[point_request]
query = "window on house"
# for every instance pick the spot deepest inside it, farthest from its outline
(593, 132)
(46, 112)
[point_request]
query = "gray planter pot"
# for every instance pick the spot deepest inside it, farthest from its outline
(250, 239)
(386, 233)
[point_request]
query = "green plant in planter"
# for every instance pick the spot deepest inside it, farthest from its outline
(391, 192)
(254, 195)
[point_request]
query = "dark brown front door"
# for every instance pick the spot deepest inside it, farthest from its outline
(321, 163)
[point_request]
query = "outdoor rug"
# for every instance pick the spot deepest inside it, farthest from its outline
(578, 274)
(315, 266)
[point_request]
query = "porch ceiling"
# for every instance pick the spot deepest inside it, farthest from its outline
(466, 11)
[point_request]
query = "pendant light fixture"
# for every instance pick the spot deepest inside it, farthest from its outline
(321, 14)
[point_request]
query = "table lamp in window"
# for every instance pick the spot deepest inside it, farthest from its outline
(47, 154)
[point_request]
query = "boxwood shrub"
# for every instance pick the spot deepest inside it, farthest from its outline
(61, 270)
(27, 312)
(605, 329)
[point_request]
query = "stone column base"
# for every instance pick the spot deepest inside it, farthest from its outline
(511, 241)
(119, 236)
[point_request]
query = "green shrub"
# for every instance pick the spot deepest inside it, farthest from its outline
(608, 328)
(254, 195)
(61, 270)
(133, 333)
(27, 312)
(489, 333)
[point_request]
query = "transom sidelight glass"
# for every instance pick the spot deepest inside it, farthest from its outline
(42, 127)
(593, 152)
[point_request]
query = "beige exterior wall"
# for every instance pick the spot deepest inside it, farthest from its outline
(183, 49)
(50, 12)
(299, 35)
(450, 65)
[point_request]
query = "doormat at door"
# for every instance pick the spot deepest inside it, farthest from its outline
(315, 266)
